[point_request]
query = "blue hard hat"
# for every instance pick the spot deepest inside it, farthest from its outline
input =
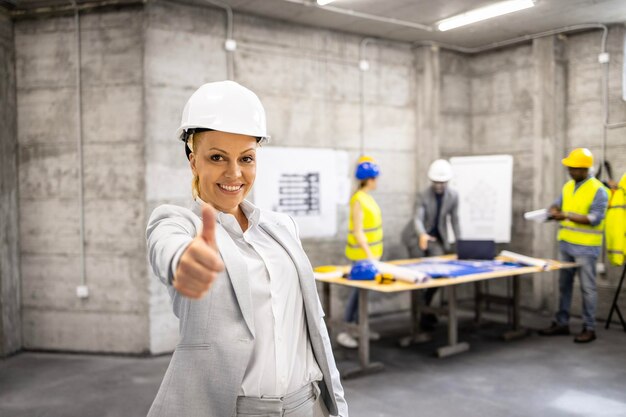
(367, 170)
(363, 271)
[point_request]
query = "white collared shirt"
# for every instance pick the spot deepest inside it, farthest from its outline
(282, 360)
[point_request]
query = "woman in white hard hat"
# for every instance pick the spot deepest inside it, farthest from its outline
(426, 234)
(365, 235)
(252, 337)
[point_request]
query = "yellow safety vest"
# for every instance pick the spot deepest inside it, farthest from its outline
(616, 225)
(579, 202)
(372, 226)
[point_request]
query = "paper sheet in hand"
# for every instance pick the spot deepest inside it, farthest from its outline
(538, 216)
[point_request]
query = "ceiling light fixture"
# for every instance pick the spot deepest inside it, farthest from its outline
(324, 2)
(483, 13)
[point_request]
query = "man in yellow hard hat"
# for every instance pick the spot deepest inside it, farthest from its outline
(580, 208)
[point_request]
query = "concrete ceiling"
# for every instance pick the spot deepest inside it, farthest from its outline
(546, 15)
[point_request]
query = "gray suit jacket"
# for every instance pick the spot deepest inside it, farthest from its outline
(217, 331)
(424, 217)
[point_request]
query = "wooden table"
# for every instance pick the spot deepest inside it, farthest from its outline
(454, 346)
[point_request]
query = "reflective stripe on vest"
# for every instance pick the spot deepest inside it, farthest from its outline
(579, 202)
(372, 227)
(616, 228)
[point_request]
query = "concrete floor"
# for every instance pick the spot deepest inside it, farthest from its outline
(534, 376)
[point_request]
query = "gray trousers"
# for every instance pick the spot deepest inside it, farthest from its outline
(300, 403)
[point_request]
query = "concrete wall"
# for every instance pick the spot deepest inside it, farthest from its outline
(10, 318)
(139, 66)
(115, 316)
(502, 121)
(456, 106)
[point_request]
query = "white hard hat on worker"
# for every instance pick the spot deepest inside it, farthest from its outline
(225, 106)
(440, 171)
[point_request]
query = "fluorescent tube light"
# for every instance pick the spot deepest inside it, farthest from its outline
(483, 13)
(324, 2)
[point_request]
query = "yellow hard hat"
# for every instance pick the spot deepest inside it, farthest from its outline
(365, 158)
(579, 158)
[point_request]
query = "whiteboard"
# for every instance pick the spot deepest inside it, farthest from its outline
(484, 184)
(306, 183)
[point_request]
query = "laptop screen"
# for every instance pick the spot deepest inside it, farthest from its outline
(476, 249)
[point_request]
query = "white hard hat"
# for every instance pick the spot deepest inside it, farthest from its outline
(440, 171)
(225, 106)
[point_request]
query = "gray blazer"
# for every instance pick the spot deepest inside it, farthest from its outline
(217, 332)
(424, 217)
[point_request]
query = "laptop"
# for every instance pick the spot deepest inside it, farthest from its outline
(476, 249)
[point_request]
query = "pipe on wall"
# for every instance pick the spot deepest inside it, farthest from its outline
(229, 44)
(79, 131)
(363, 67)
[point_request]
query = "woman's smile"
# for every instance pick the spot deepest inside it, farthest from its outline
(230, 189)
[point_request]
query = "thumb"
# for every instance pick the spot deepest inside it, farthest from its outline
(208, 224)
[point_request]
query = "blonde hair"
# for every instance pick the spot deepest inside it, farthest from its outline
(195, 181)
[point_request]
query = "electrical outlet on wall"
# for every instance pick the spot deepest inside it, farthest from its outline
(82, 291)
(604, 58)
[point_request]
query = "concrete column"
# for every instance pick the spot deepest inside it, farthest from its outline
(10, 310)
(548, 145)
(428, 110)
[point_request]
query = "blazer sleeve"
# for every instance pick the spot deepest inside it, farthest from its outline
(454, 216)
(170, 230)
(342, 405)
(420, 215)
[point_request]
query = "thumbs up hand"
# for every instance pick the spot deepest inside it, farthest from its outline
(200, 263)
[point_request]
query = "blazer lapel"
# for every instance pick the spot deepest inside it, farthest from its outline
(237, 271)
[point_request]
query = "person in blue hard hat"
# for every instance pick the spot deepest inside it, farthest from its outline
(365, 234)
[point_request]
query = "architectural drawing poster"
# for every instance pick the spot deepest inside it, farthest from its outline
(305, 183)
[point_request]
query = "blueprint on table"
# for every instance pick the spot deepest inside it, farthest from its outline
(451, 269)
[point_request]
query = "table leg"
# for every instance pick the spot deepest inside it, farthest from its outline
(518, 331)
(614, 306)
(416, 335)
(477, 302)
(366, 367)
(453, 346)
